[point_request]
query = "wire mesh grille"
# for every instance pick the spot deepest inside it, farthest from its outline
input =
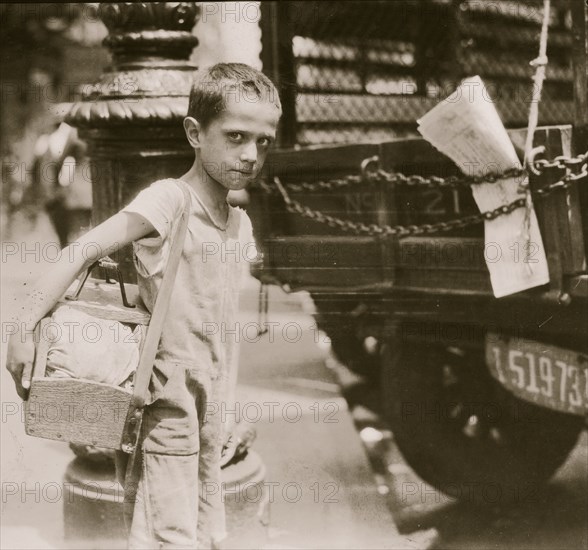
(366, 70)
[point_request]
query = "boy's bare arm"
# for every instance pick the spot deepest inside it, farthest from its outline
(114, 233)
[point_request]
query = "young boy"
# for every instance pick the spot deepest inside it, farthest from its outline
(232, 120)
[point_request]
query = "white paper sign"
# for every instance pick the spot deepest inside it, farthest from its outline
(467, 128)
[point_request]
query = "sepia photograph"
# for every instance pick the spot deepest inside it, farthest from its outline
(290, 274)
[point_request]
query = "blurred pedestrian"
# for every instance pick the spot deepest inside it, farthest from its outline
(62, 182)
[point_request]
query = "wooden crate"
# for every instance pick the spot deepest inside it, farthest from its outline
(76, 410)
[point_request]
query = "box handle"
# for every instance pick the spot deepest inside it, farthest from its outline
(107, 264)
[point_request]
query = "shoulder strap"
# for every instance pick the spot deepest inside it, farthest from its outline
(149, 350)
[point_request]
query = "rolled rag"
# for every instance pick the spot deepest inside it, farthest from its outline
(84, 346)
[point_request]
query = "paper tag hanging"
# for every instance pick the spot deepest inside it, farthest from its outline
(466, 128)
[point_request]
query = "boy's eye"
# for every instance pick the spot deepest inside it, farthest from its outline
(264, 142)
(235, 136)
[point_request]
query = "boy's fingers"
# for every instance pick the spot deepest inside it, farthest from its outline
(27, 373)
(17, 371)
(22, 393)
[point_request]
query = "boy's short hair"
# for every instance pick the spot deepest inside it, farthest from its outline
(212, 85)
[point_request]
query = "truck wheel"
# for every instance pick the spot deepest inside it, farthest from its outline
(462, 432)
(352, 352)
(344, 323)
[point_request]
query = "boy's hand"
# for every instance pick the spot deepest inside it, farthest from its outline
(20, 356)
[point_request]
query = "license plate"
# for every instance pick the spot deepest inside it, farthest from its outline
(547, 375)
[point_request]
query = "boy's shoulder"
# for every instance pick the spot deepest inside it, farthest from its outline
(171, 184)
(241, 214)
(245, 225)
(161, 202)
(169, 189)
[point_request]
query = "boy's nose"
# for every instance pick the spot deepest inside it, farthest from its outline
(249, 153)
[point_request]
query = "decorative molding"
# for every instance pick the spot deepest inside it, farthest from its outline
(145, 111)
(140, 16)
(176, 44)
(150, 78)
(142, 82)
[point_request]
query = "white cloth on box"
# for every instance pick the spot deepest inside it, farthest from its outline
(84, 346)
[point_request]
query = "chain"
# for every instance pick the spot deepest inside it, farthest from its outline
(397, 178)
(398, 230)
(562, 163)
(428, 182)
(295, 207)
(330, 185)
(436, 182)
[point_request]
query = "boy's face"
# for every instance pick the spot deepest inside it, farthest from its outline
(234, 146)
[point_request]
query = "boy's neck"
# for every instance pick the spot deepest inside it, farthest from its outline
(210, 192)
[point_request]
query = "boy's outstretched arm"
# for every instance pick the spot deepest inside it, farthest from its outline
(114, 233)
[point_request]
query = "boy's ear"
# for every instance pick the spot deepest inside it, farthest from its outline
(192, 129)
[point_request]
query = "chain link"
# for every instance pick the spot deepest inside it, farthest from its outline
(436, 182)
(397, 178)
(359, 228)
(429, 182)
(563, 163)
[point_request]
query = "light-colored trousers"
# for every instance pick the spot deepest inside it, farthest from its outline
(173, 494)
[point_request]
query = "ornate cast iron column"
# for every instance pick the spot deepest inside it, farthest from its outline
(131, 118)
